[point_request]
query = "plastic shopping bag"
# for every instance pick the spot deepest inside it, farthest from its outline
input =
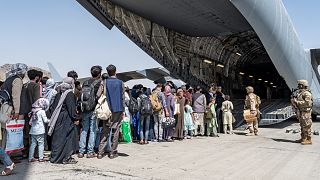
(14, 130)
(126, 130)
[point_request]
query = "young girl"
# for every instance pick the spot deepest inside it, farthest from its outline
(188, 119)
(37, 131)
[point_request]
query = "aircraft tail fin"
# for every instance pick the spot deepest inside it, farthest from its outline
(55, 74)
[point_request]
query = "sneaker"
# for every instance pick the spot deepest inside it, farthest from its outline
(70, 161)
(100, 156)
(80, 155)
(113, 155)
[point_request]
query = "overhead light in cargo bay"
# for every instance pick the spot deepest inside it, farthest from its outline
(207, 61)
(251, 76)
(241, 73)
(271, 83)
(274, 86)
(238, 54)
(259, 79)
(220, 65)
(265, 81)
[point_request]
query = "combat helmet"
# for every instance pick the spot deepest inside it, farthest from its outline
(303, 82)
(250, 89)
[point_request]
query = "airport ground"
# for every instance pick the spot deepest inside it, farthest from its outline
(271, 155)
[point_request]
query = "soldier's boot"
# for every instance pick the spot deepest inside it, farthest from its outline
(301, 139)
(307, 141)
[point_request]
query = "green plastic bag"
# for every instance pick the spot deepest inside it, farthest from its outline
(126, 130)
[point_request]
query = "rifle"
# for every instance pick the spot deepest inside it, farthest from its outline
(294, 95)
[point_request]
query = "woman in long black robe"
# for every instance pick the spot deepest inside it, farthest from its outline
(64, 137)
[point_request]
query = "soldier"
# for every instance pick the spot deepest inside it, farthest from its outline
(252, 102)
(303, 105)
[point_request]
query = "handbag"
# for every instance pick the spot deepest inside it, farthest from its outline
(176, 108)
(168, 122)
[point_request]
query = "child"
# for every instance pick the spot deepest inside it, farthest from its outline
(211, 119)
(188, 119)
(227, 108)
(37, 131)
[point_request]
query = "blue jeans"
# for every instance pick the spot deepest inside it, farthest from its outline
(36, 139)
(144, 127)
(4, 158)
(89, 122)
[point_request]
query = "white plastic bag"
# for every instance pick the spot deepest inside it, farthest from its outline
(14, 130)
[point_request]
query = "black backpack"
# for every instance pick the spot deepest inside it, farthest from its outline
(4, 96)
(88, 98)
(133, 106)
(146, 105)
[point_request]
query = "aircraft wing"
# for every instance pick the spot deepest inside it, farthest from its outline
(152, 74)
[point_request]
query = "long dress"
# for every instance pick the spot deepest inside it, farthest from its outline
(188, 122)
(64, 137)
(179, 130)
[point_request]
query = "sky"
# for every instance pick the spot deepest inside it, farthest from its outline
(64, 33)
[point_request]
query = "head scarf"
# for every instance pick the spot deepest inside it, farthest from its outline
(18, 69)
(167, 90)
(50, 92)
(66, 87)
(67, 83)
(180, 91)
(40, 104)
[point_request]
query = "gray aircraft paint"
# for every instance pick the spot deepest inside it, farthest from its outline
(271, 22)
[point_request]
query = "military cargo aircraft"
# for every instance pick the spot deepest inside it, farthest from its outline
(233, 43)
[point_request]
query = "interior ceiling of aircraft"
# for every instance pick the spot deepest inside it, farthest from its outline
(199, 41)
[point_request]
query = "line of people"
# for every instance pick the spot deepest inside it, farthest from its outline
(62, 118)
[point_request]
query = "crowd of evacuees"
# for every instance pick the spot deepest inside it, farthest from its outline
(60, 117)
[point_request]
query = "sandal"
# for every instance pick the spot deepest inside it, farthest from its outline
(146, 142)
(43, 160)
(33, 160)
(7, 171)
(70, 161)
(141, 142)
(89, 156)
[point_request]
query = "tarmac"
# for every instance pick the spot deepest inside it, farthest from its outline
(272, 155)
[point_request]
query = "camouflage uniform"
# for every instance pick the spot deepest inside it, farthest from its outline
(303, 104)
(252, 104)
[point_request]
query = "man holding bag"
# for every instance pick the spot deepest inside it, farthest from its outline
(13, 87)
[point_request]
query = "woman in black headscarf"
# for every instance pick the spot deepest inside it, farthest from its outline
(62, 124)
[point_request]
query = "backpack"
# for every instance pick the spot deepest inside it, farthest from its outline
(102, 109)
(146, 105)
(156, 104)
(258, 100)
(133, 106)
(25, 100)
(4, 97)
(88, 98)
